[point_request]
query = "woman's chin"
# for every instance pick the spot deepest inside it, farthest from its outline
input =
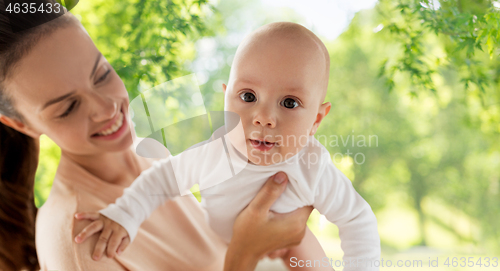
(126, 142)
(123, 144)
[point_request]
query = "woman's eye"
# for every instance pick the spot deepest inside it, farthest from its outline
(248, 97)
(70, 108)
(289, 103)
(103, 76)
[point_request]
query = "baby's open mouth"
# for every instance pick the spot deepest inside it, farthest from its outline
(262, 145)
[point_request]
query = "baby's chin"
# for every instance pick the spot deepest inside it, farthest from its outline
(266, 159)
(260, 161)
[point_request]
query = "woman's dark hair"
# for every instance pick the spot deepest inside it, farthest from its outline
(19, 33)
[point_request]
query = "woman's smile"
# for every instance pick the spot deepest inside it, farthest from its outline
(114, 129)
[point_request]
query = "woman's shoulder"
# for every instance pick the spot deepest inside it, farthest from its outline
(53, 225)
(56, 228)
(54, 219)
(61, 202)
(56, 216)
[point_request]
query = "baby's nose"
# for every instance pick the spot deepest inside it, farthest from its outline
(264, 120)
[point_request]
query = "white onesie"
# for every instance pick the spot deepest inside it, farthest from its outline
(228, 183)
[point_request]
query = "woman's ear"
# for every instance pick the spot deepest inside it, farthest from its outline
(322, 112)
(19, 126)
(224, 88)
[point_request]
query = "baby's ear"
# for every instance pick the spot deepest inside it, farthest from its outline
(224, 88)
(323, 110)
(326, 108)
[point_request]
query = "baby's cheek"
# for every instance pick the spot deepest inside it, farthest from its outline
(289, 152)
(237, 138)
(296, 137)
(293, 143)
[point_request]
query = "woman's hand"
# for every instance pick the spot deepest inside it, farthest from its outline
(258, 231)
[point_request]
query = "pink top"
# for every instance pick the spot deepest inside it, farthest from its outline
(175, 237)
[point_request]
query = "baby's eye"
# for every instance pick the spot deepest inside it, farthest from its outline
(289, 103)
(248, 97)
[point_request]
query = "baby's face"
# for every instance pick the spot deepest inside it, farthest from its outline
(277, 90)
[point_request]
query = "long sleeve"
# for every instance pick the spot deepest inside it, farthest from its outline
(150, 190)
(205, 163)
(337, 199)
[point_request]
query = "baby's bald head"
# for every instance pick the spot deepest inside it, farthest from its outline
(290, 40)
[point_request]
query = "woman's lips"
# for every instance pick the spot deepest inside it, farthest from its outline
(261, 145)
(117, 133)
(110, 123)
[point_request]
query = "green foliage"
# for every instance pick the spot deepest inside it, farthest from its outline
(50, 154)
(467, 28)
(147, 42)
(434, 146)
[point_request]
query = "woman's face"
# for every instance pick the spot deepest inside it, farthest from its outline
(66, 89)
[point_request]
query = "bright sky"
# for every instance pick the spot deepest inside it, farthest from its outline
(328, 18)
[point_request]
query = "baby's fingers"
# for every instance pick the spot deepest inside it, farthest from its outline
(90, 230)
(114, 242)
(87, 215)
(102, 243)
(123, 245)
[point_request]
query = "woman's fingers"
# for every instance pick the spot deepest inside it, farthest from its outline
(102, 243)
(268, 194)
(123, 245)
(301, 215)
(294, 223)
(278, 253)
(88, 231)
(87, 215)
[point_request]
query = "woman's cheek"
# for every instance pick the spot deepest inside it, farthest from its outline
(70, 137)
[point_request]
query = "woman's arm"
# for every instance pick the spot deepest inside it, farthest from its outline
(258, 231)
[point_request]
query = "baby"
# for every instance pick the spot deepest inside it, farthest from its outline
(277, 87)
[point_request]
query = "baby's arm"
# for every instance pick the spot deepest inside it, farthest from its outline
(337, 199)
(121, 221)
(151, 189)
(309, 255)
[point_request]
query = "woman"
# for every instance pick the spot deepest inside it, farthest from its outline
(55, 82)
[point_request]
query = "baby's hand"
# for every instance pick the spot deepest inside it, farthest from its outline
(114, 238)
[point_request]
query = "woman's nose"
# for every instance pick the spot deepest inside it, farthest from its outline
(103, 108)
(264, 118)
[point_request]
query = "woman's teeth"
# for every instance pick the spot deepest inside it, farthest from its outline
(114, 127)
